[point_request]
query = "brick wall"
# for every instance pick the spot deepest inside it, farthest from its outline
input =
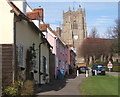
(7, 58)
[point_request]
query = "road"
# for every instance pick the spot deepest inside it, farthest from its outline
(69, 86)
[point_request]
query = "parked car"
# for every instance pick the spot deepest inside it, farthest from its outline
(82, 69)
(99, 68)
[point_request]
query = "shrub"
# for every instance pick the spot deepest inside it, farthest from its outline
(28, 88)
(116, 69)
(20, 88)
(116, 63)
(11, 91)
(97, 61)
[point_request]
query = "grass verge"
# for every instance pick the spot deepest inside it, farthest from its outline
(99, 85)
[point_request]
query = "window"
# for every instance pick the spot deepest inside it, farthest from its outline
(21, 56)
(75, 26)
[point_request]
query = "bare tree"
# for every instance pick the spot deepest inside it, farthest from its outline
(95, 48)
(114, 33)
(109, 33)
(94, 33)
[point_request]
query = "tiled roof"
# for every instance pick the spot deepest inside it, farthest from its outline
(43, 27)
(71, 45)
(36, 14)
(97, 40)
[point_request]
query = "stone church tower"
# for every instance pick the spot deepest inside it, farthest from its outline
(74, 29)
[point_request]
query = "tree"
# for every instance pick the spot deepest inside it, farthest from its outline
(116, 37)
(95, 48)
(109, 33)
(94, 33)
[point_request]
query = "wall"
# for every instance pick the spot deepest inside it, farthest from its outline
(62, 57)
(53, 60)
(7, 57)
(6, 25)
(27, 35)
(45, 53)
(72, 58)
(52, 66)
(52, 40)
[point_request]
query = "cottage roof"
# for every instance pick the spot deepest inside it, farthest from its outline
(43, 27)
(96, 40)
(36, 14)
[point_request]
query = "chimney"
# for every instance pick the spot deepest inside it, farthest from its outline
(58, 31)
(43, 27)
(36, 14)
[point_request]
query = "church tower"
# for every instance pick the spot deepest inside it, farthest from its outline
(74, 29)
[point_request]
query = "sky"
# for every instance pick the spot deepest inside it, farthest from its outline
(101, 15)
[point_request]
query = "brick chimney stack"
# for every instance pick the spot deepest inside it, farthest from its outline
(36, 14)
(58, 31)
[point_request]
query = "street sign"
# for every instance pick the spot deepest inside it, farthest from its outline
(110, 65)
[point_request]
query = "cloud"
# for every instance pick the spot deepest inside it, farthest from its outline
(104, 19)
(104, 16)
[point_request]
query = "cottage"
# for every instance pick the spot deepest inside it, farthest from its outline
(25, 50)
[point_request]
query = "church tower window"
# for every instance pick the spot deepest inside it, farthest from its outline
(75, 25)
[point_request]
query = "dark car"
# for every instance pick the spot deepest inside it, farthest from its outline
(99, 68)
(82, 69)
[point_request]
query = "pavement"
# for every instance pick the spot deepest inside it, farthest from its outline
(68, 86)
(113, 73)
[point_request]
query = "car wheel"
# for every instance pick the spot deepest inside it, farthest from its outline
(103, 73)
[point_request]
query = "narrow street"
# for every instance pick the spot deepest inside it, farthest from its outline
(69, 86)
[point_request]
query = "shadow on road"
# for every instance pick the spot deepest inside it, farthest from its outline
(54, 85)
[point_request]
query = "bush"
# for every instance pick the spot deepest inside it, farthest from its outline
(116, 69)
(28, 88)
(116, 63)
(20, 88)
(97, 61)
(11, 91)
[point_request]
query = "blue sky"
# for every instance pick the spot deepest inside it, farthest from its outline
(101, 15)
